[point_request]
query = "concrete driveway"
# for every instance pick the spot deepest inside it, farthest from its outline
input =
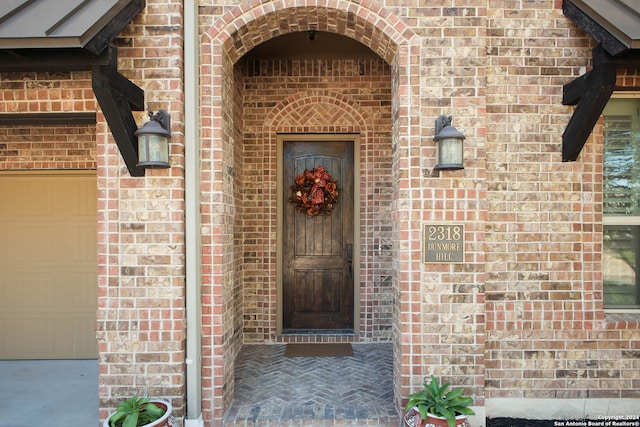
(53, 393)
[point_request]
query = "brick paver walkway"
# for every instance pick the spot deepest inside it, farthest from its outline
(273, 390)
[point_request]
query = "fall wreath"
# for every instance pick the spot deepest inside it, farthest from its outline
(314, 192)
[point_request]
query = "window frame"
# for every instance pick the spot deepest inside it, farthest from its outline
(619, 220)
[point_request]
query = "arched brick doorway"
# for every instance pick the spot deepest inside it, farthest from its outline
(239, 193)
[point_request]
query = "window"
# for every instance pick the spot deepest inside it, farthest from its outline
(621, 205)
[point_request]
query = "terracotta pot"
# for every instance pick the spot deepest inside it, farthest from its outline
(165, 421)
(413, 419)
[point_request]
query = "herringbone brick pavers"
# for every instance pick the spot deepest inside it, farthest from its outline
(273, 390)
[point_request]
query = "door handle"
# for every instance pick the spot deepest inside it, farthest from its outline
(350, 259)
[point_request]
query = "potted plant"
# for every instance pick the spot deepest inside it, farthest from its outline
(140, 412)
(435, 405)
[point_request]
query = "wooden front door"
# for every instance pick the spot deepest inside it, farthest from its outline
(317, 251)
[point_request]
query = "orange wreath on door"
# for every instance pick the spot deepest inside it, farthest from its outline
(314, 192)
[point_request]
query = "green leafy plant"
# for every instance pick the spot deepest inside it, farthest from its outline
(434, 399)
(135, 412)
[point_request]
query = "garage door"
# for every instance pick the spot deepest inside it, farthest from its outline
(48, 266)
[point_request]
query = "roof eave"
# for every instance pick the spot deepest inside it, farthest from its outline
(95, 39)
(41, 42)
(607, 33)
(113, 26)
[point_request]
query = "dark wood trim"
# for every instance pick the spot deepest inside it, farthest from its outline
(627, 89)
(123, 87)
(590, 93)
(590, 26)
(115, 26)
(600, 76)
(47, 119)
(630, 58)
(53, 60)
(592, 101)
(117, 96)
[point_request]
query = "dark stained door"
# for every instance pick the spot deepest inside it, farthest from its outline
(317, 269)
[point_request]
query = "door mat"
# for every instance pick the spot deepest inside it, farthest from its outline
(318, 350)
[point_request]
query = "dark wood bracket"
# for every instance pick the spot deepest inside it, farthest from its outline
(117, 95)
(590, 93)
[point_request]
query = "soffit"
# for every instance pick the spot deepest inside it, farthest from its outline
(613, 23)
(86, 24)
(311, 45)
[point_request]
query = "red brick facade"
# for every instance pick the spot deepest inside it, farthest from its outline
(521, 318)
(68, 146)
(362, 107)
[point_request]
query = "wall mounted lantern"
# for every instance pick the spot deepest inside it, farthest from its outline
(153, 141)
(449, 145)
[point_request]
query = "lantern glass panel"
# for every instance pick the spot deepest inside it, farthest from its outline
(450, 153)
(153, 151)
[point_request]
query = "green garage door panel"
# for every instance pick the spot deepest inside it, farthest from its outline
(48, 266)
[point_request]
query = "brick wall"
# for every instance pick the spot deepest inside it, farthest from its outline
(36, 146)
(46, 92)
(226, 45)
(47, 147)
(307, 108)
(521, 317)
(547, 333)
(445, 320)
(141, 283)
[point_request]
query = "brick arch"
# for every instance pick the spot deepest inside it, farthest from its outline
(229, 38)
(316, 111)
(251, 23)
